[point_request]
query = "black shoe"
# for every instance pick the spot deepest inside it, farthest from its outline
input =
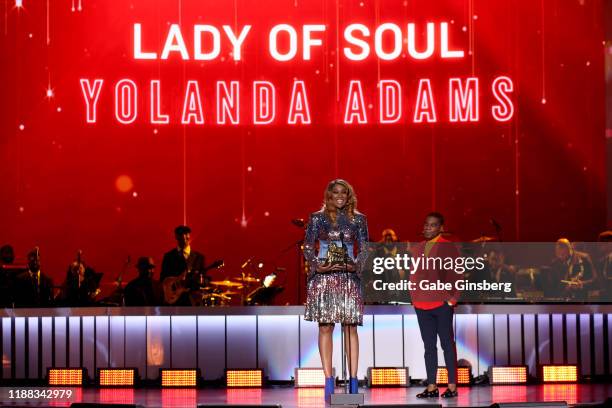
(449, 394)
(429, 394)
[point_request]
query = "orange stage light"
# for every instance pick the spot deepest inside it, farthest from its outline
(179, 378)
(463, 375)
(559, 373)
(116, 377)
(388, 377)
(65, 376)
(244, 378)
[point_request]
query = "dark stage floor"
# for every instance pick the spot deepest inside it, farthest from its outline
(290, 397)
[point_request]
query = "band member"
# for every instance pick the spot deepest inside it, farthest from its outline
(605, 262)
(183, 259)
(498, 270)
(143, 291)
(389, 247)
(334, 287)
(7, 257)
(32, 287)
(574, 269)
(435, 310)
(81, 286)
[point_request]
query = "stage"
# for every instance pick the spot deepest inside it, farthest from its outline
(244, 149)
(481, 396)
(277, 339)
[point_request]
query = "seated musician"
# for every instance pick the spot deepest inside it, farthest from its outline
(32, 287)
(574, 269)
(183, 262)
(499, 271)
(81, 285)
(144, 290)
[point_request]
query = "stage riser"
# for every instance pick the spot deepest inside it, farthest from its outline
(278, 343)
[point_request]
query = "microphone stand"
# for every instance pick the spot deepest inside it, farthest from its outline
(346, 398)
(346, 354)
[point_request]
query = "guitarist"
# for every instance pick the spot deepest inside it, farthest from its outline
(183, 259)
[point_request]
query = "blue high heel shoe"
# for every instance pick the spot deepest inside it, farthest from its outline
(353, 385)
(329, 387)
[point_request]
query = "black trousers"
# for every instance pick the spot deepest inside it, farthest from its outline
(433, 323)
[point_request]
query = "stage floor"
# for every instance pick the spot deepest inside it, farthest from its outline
(481, 396)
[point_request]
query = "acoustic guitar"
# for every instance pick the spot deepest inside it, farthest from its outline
(175, 286)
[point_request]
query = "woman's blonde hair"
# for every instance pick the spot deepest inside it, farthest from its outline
(351, 200)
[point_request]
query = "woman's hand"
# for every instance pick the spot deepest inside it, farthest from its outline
(325, 267)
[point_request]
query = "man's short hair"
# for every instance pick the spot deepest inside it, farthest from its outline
(437, 215)
(182, 229)
(6, 249)
(606, 236)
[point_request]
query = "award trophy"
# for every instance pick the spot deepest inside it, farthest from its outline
(336, 255)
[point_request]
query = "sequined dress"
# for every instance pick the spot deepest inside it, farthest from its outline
(335, 296)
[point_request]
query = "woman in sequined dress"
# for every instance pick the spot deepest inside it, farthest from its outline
(334, 290)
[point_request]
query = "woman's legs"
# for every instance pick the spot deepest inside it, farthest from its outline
(326, 347)
(351, 344)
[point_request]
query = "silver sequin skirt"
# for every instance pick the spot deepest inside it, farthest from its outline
(334, 298)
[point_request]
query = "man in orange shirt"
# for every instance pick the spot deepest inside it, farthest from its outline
(434, 309)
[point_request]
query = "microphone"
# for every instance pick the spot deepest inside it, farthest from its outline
(495, 224)
(342, 239)
(37, 251)
(298, 222)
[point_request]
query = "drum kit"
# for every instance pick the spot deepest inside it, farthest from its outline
(245, 287)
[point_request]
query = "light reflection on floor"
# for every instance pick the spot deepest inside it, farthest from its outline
(287, 396)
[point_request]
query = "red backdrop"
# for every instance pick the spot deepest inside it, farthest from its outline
(541, 175)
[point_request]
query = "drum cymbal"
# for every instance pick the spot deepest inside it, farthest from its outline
(249, 279)
(227, 283)
(216, 296)
(484, 238)
(229, 293)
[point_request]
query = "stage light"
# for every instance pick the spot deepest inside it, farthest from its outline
(179, 378)
(442, 375)
(244, 378)
(463, 375)
(310, 377)
(116, 377)
(507, 375)
(388, 377)
(19, 3)
(559, 373)
(65, 376)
